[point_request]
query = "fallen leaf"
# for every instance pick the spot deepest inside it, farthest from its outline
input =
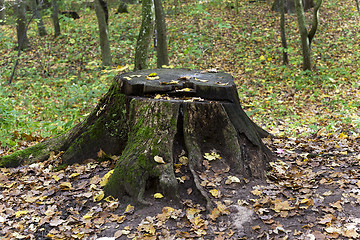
(129, 209)
(215, 193)
(232, 179)
(158, 195)
(106, 177)
(98, 197)
(65, 186)
(159, 159)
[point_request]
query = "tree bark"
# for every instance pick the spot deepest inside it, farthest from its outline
(103, 32)
(2, 12)
(145, 35)
(38, 18)
(357, 6)
(181, 114)
(122, 8)
(162, 47)
(55, 18)
(23, 41)
(283, 34)
(289, 5)
(104, 7)
(307, 37)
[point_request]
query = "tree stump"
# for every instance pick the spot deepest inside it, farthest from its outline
(157, 120)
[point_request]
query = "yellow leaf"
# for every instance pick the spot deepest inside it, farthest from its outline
(222, 208)
(215, 193)
(55, 177)
(192, 212)
(129, 209)
(262, 58)
(159, 159)
(167, 66)
(73, 175)
(20, 213)
(99, 196)
(158, 96)
(121, 219)
(158, 195)
(211, 156)
(173, 82)
(65, 186)
(185, 90)
(152, 78)
(153, 74)
(105, 178)
(87, 216)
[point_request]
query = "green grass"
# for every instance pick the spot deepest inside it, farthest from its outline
(60, 80)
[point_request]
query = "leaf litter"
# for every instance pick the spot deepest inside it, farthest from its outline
(311, 192)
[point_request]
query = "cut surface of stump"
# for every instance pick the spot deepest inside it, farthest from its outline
(169, 128)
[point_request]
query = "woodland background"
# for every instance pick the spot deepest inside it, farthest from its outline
(314, 115)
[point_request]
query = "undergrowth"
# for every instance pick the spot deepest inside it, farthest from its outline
(59, 81)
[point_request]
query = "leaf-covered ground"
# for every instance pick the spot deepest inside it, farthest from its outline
(312, 190)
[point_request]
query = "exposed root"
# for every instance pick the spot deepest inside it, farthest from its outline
(209, 203)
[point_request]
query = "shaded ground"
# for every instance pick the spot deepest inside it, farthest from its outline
(312, 192)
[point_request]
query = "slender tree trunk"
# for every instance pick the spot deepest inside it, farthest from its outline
(307, 37)
(103, 31)
(305, 44)
(145, 35)
(162, 47)
(289, 5)
(283, 35)
(315, 21)
(23, 41)
(103, 4)
(2, 12)
(38, 17)
(357, 6)
(55, 17)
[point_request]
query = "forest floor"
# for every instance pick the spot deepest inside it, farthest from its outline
(312, 189)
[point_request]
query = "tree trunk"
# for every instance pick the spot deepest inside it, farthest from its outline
(38, 17)
(357, 6)
(2, 12)
(55, 17)
(103, 31)
(162, 47)
(157, 126)
(289, 5)
(104, 7)
(283, 35)
(307, 37)
(145, 35)
(23, 41)
(122, 8)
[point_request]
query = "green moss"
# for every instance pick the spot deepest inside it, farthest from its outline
(21, 156)
(173, 122)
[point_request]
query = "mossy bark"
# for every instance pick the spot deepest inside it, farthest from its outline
(55, 18)
(105, 128)
(162, 46)
(145, 35)
(103, 32)
(132, 122)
